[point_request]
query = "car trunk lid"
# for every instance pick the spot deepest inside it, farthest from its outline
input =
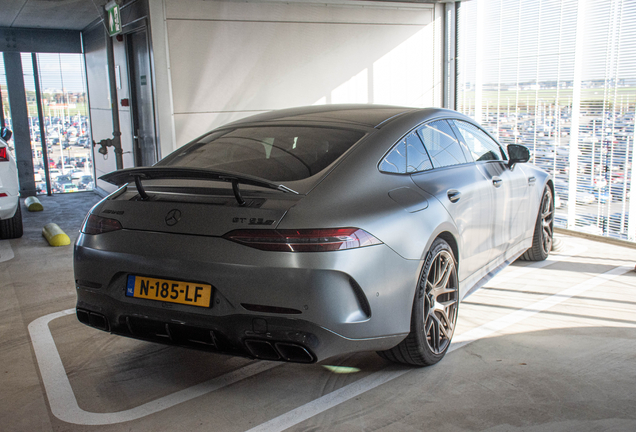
(194, 201)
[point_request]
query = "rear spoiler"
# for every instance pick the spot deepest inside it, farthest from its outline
(135, 175)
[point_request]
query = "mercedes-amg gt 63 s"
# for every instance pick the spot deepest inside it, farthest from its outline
(304, 233)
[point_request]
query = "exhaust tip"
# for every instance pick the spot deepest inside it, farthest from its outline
(93, 319)
(294, 353)
(266, 350)
(262, 350)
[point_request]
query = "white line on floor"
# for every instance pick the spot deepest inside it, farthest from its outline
(62, 399)
(64, 404)
(6, 253)
(376, 379)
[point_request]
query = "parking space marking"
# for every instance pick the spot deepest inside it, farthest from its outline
(62, 399)
(390, 373)
(64, 405)
(6, 253)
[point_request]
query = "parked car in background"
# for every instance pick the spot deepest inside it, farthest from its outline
(10, 212)
(77, 174)
(67, 187)
(54, 173)
(299, 234)
(61, 184)
(85, 182)
(80, 162)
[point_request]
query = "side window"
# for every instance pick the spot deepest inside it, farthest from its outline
(395, 161)
(441, 144)
(416, 157)
(408, 156)
(482, 147)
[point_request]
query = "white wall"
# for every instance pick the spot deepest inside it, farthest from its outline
(99, 97)
(228, 60)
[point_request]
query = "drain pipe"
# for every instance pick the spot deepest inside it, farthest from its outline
(115, 141)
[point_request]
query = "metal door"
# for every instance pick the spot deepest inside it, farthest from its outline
(467, 195)
(463, 190)
(143, 114)
(509, 186)
(510, 203)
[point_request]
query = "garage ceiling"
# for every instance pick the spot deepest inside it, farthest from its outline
(50, 14)
(77, 14)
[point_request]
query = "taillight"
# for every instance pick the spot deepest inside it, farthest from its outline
(100, 225)
(304, 240)
(4, 154)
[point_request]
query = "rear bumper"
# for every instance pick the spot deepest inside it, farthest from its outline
(265, 338)
(342, 301)
(8, 206)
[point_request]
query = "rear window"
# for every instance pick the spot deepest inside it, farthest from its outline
(275, 153)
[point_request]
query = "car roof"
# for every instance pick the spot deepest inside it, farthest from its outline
(352, 115)
(360, 115)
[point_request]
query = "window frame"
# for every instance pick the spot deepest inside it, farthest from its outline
(414, 130)
(460, 136)
(395, 144)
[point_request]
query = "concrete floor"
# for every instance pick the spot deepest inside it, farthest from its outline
(548, 346)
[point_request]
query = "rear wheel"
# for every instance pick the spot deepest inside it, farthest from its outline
(543, 230)
(434, 312)
(12, 227)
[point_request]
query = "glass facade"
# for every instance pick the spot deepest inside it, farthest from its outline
(559, 76)
(65, 118)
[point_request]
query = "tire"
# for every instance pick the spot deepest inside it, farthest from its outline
(543, 230)
(12, 228)
(434, 312)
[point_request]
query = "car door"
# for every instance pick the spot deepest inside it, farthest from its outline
(509, 186)
(462, 189)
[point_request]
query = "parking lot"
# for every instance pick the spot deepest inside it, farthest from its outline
(543, 346)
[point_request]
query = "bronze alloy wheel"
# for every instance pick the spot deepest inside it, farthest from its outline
(547, 221)
(434, 311)
(440, 302)
(543, 229)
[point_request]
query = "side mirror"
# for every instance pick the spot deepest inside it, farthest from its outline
(518, 154)
(5, 134)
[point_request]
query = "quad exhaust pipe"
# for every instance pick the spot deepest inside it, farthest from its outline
(284, 351)
(258, 348)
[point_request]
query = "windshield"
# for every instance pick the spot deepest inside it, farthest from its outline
(275, 153)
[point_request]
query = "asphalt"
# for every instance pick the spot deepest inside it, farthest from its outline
(548, 346)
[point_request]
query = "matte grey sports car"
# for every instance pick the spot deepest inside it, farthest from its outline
(299, 234)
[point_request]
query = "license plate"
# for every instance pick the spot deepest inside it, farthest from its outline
(188, 293)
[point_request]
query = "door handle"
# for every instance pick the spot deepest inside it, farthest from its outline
(496, 181)
(453, 195)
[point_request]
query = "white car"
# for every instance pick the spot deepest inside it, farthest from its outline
(10, 214)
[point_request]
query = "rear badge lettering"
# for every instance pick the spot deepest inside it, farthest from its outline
(117, 212)
(253, 221)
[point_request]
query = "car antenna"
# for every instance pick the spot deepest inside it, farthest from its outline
(237, 192)
(142, 193)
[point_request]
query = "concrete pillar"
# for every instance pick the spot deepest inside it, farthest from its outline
(450, 56)
(20, 120)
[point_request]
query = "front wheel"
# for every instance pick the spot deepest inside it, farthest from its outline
(434, 312)
(543, 230)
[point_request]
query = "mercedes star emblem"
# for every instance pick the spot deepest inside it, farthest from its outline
(173, 217)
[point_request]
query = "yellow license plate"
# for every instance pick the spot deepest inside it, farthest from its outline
(188, 293)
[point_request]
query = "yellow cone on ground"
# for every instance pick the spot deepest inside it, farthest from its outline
(33, 204)
(55, 236)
